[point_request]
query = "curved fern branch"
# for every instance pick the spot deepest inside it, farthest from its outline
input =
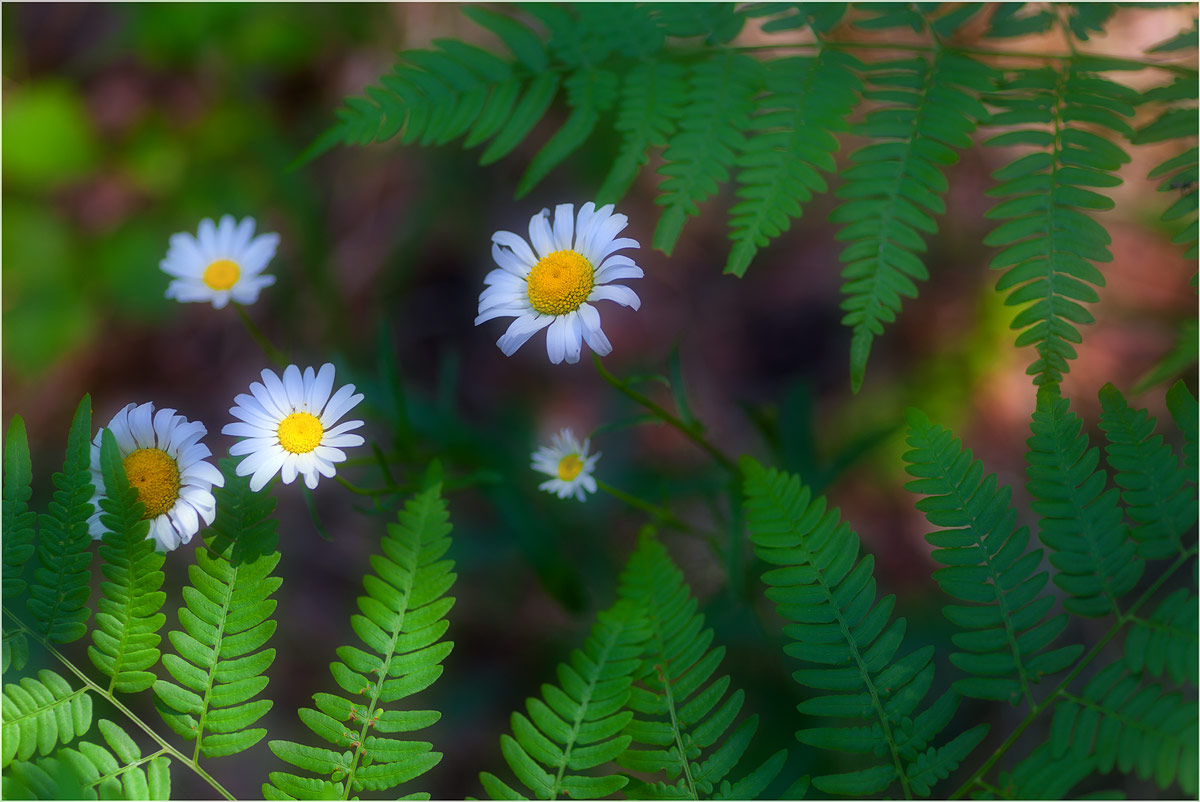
(402, 622)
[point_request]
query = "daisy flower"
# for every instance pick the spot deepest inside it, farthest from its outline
(289, 426)
(219, 263)
(555, 282)
(569, 465)
(164, 461)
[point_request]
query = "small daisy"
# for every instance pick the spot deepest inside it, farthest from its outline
(221, 262)
(164, 460)
(554, 283)
(289, 426)
(569, 464)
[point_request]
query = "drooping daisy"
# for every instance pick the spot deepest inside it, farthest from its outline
(289, 426)
(569, 465)
(221, 262)
(554, 284)
(164, 460)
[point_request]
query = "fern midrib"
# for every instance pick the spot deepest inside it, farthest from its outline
(128, 619)
(226, 604)
(124, 768)
(662, 669)
(1125, 719)
(1043, 347)
(38, 711)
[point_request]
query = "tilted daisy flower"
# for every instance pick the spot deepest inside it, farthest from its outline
(291, 426)
(164, 461)
(555, 282)
(221, 262)
(569, 465)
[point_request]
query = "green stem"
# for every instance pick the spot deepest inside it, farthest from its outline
(1059, 690)
(164, 746)
(665, 416)
(273, 353)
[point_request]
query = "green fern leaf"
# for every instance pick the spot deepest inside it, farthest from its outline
(1130, 727)
(1081, 522)
(47, 778)
(678, 712)
(531, 108)
(1179, 173)
(1167, 640)
(717, 111)
(1049, 244)
(402, 622)
(1006, 630)
(809, 98)
(718, 22)
(41, 713)
(894, 188)
(819, 17)
(828, 596)
(1042, 775)
(15, 652)
(524, 43)
(221, 665)
(1178, 361)
(59, 591)
(127, 616)
(576, 726)
(1186, 416)
(1008, 21)
(1180, 41)
(1154, 487)
(19, 521)
(1087, 18)
(889, 15)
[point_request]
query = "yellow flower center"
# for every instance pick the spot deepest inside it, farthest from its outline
(560, 283)
(569, 467)
(222, 274)
(300, 433)
(156, 477)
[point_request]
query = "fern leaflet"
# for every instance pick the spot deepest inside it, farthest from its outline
(1187, 417)
(59, 591)
(895, 187)
(18, 531)
(828, 595)
(1179, 173)
(987, 564)
(1167, 641)
(41, 713)
(402, 622)
(226, 620)
(675, 705)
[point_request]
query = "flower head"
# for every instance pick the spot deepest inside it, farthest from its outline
(221, 262)
(569, 465)
(291, 426)
(555, 282)
(164, 461)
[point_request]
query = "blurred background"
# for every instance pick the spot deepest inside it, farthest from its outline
(123, 124)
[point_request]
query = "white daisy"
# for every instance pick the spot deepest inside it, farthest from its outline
(164, 460)
(289, 426)
(569, 464)
(554, 283)
(221, 262)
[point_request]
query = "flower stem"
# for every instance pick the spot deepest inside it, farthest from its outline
(273, 353)
(666, 417)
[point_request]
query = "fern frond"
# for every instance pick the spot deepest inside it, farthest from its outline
(808, 99)
(678, 711)
(720, 99)
(40, 714)
(221, 665)
(1007, 631)
(1130, 727)
(1154, 487)
(1167, 641)
(889, 15)
(1014, 19)
(1182, 407)
(19, 521)
(402, 622)
(819, 17)
(1081, 522)
(718, 22)
(1179, 173)
(1043, 775)
(828, 595)
(577, 724)
(59, 590)
(894, 188)
(127, 616)
(1049, 244)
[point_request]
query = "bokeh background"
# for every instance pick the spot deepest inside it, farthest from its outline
(123, 124)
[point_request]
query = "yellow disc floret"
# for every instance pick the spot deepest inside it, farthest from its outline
(569, 467)
(560, 283)
(222, 274)
(156, 477)
(300, 433)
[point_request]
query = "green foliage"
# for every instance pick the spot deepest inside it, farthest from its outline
(577, 724)
(674, 703)
(41, 713)
(18, 529)
(402, 622)
(221, 665)
(1187, 417)
(895, 186)
(1048, 244)
(127, 616)
(835, 623)
(1179, 172)
(1006, 629)
(1167, 640)
(59, 591)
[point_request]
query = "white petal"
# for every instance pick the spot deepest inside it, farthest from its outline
(318, 394)
(261, 250)
(556, 340)
(141, 425)
(507, 310)
(205, 472)
(602, 252)
(251, 445)
(275, 400)
(206, 236)
(311, 478)
(344, 400)
(616, 292)
(564, 226)
(520, 330)
(266, 470)
(288, 472)
(511, 262)
(293, 384)
(592, 333)
(573, 339)
(540, 235)
(517, 245)
(241, 237)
